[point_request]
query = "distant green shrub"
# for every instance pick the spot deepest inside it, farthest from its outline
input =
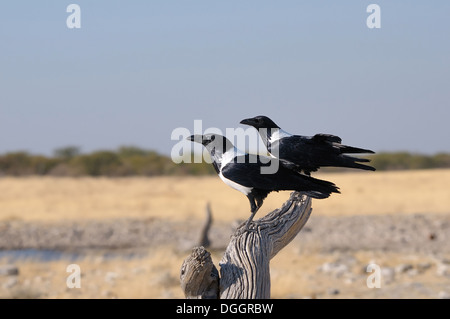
(67, 153)
(405, 160)
(98, 163)
(134, 161)
(441, 160)
(22, 163)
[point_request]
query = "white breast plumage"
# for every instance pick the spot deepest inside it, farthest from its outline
(243, 189)
(228, 156)
(278, 134)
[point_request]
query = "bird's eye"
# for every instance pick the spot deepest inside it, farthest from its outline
(213, 137)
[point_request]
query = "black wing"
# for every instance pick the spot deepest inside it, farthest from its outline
(246, 171)
(310, 153)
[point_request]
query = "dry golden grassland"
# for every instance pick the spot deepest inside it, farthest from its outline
(294, 273)
(51, 199)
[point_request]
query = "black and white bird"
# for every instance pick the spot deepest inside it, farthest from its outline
(306, 153)
(242, 172)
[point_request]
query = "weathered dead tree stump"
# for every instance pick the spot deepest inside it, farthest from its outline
(244, 268)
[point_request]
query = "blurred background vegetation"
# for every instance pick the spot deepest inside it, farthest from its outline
(134, 161)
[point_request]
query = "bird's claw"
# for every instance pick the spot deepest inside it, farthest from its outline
(250, 228)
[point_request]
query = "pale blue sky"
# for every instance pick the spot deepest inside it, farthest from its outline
(136, 70)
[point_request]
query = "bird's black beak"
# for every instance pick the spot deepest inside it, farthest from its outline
(247, 122)
(196, 138)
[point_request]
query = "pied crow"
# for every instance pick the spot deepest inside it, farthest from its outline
(306, 153)
(242, 172)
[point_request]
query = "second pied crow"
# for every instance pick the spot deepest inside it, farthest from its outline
(306, 153)
(242, 172)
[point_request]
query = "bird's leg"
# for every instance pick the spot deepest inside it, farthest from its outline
(254, 208)
(249, 220)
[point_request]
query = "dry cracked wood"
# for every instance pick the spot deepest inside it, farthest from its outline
(199, 277)
(244, 268)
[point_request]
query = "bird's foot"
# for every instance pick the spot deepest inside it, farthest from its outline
(246, 228)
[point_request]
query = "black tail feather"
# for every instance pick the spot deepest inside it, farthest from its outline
(353, 150)
(319, 188)
(354, 162)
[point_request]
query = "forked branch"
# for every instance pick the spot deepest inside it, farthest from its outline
(244, 268)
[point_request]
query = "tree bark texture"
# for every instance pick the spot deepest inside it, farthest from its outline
(245, 266)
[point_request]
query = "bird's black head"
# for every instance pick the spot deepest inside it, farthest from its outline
(260, 122)
(212, 142)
